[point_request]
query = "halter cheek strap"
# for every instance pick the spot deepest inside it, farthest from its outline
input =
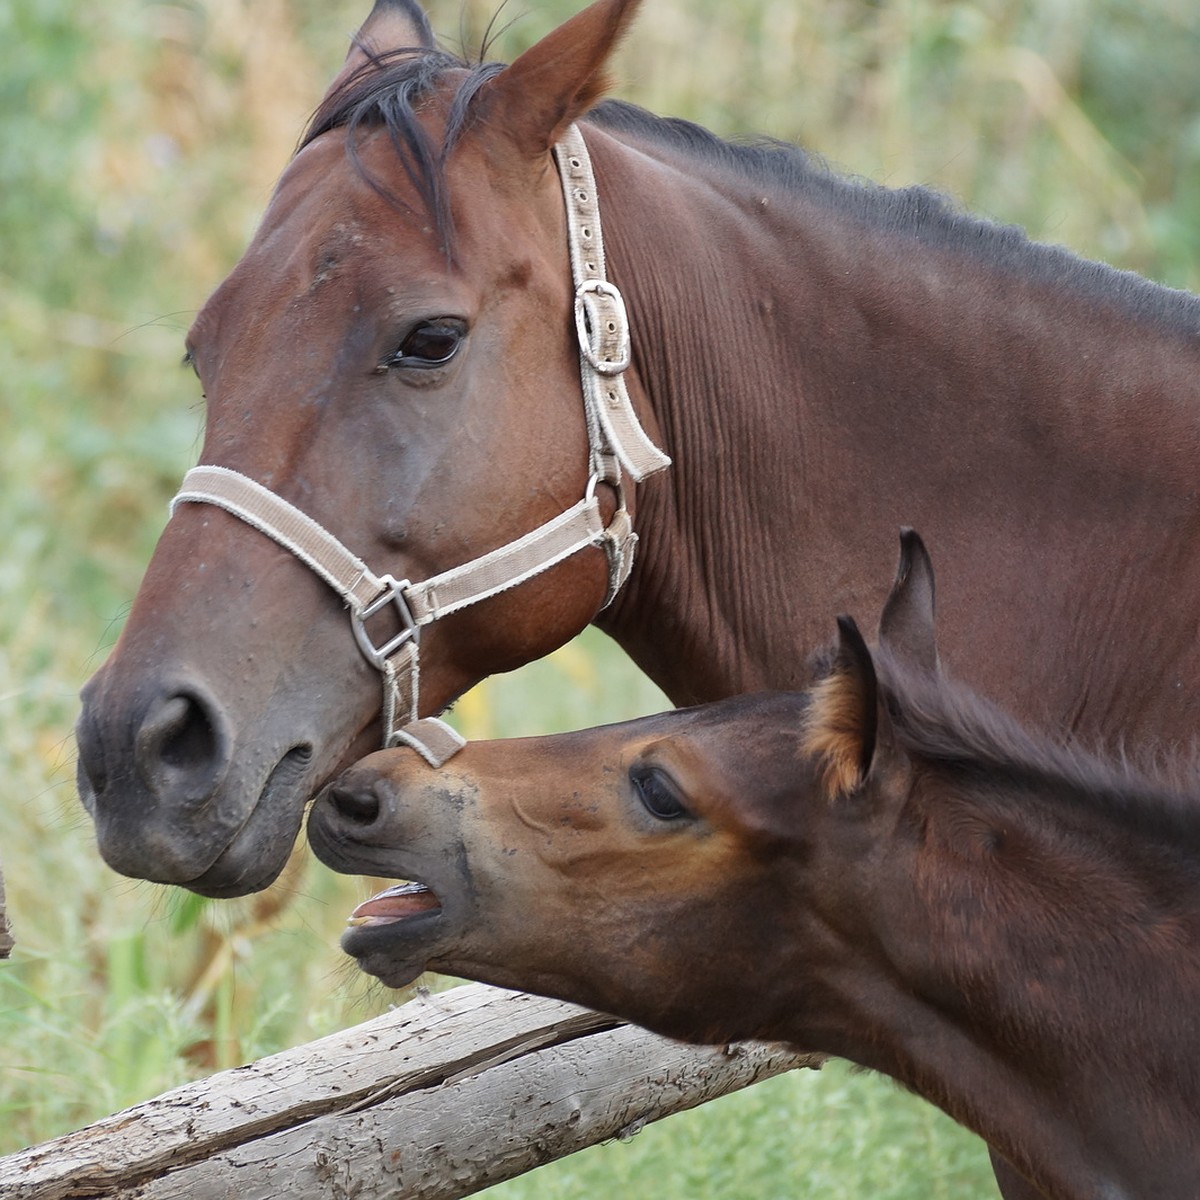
(602, 325)
(616, 441)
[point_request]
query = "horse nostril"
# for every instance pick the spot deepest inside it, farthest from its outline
(90, 770)
(182, 732)
(181, 749)
(357, 805)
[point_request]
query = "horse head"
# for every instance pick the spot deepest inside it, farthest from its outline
(394, 364)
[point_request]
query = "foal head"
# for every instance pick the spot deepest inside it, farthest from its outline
(687, 871)
(710, 871)
(884, 867)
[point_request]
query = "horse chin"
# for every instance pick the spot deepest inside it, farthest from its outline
(251, 856)
(408, 928)
(260, 849)
(405, 930)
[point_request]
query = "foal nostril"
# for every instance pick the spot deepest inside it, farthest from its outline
(182, 749)
(357, 805)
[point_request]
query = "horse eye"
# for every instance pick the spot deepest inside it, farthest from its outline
(657, 793)
(430, 344)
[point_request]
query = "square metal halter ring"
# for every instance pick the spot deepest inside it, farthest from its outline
(393, 594)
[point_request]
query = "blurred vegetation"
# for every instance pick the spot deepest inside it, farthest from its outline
(138, 143)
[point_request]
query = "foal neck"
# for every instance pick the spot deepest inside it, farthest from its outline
(1041, 967)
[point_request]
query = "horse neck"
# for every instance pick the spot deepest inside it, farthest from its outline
(1033, 973)
(819, 381)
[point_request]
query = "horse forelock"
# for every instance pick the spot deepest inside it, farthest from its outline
(387, 92)
(952, 727)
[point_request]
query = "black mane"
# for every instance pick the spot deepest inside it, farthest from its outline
(387, 92)
(930, 217)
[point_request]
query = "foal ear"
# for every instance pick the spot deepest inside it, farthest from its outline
(391, 25)
(842, 726)
(906, 627)
(557, 80)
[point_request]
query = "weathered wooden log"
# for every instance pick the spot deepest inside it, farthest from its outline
(449, 1094)
(6, 938)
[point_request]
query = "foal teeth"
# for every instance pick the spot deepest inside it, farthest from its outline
(357, 920)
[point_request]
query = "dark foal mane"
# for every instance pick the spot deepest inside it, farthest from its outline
(943, 723)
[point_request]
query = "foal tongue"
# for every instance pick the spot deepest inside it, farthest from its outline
(400, 900)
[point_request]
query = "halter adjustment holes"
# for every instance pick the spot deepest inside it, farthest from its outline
(429, 344)
(658, 793)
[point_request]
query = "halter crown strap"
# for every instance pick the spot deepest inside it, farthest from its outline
(616, 439)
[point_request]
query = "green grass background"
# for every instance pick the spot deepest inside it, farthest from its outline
(138, 144)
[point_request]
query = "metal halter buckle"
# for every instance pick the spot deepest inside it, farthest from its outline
(393, 593)
(598, 303)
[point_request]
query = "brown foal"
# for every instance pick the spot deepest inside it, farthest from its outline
(884, 867)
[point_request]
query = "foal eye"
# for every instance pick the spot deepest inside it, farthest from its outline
(657, 793)
(430, 344)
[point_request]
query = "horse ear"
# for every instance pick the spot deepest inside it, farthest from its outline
(906, 627)
(392, 25)
(557, 80)
(842, 726)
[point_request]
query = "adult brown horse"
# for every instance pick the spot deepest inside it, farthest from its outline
(396, 356)
(884, 867)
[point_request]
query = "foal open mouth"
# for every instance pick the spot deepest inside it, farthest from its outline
(400, 902)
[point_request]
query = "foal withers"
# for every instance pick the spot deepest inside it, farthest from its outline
(885, 868)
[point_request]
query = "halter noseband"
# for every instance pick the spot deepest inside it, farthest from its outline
(616, 440)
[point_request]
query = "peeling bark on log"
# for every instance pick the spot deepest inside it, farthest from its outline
(435, 1100)
(6, 939)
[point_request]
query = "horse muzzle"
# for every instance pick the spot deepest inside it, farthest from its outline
(368, 822)
(172, 800)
